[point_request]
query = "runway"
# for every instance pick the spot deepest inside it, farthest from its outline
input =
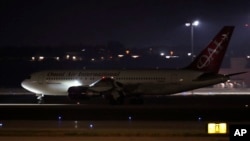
(131, 138)
(175, 108)
(95, 130)
(175, 118)
(114, 130)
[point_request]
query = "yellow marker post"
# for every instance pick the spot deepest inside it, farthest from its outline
(217, 128)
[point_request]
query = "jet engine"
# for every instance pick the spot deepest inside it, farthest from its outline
(80, 93)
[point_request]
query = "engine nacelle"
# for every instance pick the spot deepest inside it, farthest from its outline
(80, 93)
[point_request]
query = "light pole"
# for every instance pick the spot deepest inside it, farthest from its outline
(192, 25)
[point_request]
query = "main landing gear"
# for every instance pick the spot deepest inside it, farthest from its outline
(116, 98)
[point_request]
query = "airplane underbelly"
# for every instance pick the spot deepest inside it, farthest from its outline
(162, 89)
(171, 88)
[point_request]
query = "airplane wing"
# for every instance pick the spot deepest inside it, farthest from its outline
(238, 73)
(110, 84)
(104, 84)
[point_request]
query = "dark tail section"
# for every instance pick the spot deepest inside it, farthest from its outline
(210, 59)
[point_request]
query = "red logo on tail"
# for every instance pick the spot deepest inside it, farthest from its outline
(206, 59)
(210, 59)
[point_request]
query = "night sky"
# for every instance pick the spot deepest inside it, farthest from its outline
(134, 23)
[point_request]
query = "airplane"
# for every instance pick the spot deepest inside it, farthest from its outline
(116, 84)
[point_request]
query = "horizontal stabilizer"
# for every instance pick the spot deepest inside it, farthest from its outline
(238, 73)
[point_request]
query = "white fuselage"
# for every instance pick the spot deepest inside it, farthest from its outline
(146, 82)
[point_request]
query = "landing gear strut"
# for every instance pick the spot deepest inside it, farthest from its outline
(114, 97)
(116, 100)
(40, 98)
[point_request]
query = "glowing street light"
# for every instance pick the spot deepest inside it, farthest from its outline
(192, 25)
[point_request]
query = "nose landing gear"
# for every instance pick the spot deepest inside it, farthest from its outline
(40, 98)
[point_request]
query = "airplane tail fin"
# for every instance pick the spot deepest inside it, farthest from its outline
(210, 59)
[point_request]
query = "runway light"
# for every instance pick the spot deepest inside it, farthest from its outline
(59, 117)
(217, 128)
(76, 124)
(91, 126)
(129, 118)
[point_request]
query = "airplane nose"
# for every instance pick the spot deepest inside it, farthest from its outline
(30, 86)
(24, 83)
(27, 84)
